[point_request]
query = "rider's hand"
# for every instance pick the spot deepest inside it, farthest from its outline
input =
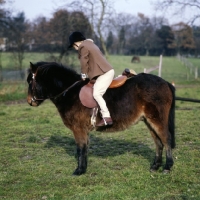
(83, 76)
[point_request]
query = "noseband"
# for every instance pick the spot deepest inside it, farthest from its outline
(34, 99)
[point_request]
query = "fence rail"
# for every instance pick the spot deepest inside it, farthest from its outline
(150, 69)
(193, 69)
(159, 67)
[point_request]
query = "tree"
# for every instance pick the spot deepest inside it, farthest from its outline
(52, 35)
(1, 67)
(2, 13)
(109, 41)
(61, 26)
(146, 31)
(39, 35)
(123, 28)
(183, 37)
(196, 34)
(180, 7)
(59, 30)
(98, 13)
(141, 36)
(167, 40)
(3, 23)
(17, 38)
(122, 39)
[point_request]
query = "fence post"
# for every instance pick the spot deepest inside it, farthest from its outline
(196, 73)
(190, 70)
(160, 66)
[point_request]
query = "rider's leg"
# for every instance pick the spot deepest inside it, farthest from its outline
(100, 87)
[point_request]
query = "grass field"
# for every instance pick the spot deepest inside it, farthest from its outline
(38, 152)
(172, 70)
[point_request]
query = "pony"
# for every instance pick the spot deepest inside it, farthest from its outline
(135, 59)
(143, 97)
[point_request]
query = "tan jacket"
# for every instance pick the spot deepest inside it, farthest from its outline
(93, 63)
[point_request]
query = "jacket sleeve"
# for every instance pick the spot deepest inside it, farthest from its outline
(84, 59)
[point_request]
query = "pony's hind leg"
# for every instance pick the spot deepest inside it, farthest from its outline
(169, 159)
(165, 138)
(162, 138)
(159, 150)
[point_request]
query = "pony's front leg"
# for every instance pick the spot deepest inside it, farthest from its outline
(82, 160)
(82, 142)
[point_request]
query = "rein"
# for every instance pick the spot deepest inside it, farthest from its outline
(66, 90)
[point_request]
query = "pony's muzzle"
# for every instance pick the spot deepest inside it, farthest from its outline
(32, 101)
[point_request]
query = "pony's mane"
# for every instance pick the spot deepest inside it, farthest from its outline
(53, 70)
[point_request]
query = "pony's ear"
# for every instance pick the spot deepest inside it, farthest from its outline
(33, 67)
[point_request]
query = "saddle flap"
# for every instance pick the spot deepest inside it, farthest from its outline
(118, 81)
(86, 96)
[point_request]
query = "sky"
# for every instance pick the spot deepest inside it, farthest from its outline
(36, 8)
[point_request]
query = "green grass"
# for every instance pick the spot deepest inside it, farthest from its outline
(37, 154)
(12, 91)
(38, 158)
(195, 62)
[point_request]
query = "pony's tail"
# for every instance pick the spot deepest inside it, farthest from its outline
(171, 120)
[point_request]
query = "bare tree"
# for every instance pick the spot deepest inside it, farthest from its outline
(1, 67)
(17, 38)
(2, 12)
(180, 7)
(1, 15)
(98, 12)
(123, 27)
(39, 34)
(60, 27)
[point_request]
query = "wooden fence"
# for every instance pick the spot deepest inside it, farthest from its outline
(192, 69)
(159, 67)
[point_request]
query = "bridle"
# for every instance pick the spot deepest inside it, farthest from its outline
(34, 99)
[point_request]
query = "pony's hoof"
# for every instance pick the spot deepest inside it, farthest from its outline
(166, 171)
(78, 172)
(153, 170)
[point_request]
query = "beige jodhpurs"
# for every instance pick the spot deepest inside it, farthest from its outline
(101, 85)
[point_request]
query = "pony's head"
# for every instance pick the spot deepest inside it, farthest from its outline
(47, 79)
(36, 93)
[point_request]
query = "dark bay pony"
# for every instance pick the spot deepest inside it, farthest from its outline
(143, 97)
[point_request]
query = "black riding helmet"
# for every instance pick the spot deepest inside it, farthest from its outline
(75, 37)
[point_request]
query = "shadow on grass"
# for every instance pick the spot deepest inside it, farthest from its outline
(102, 147)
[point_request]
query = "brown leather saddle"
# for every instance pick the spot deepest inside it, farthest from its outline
(86, 93)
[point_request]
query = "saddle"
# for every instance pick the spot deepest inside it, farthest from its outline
(86, 93)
